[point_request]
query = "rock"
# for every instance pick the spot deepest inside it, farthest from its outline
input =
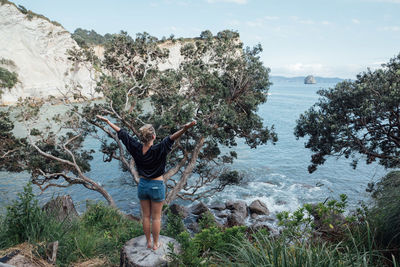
(5, 265)
(234, 220)
(265, 219)
(223, 213)
(136, 253)
(51, 252)
(199, 208)
(280, 202)
(258, 226)
(38, 50)
(22, 256)
(61, 208)
(258, 207)
(310, 80)
(238, 207)
(179, 210)
(254, 215)
(218, 206)
(194, 227)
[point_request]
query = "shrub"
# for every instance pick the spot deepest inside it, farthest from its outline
(384, 215)
(7, 79)
(207, 220)
(24, 220)
(174, 225)
(200, 249)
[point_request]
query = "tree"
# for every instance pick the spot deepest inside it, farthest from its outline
(11, 148)
(356, 117)
(7, 79)
(218, 83)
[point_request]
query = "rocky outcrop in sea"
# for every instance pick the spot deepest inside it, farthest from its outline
(310, 80)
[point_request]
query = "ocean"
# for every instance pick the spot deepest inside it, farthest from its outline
(275, 174)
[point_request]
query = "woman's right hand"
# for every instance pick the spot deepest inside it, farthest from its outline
(102, 118)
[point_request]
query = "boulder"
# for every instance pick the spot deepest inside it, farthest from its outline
(179, 210)
(238, 207)
(61, 208)
(223, 213)
(218, 206)
(258, 207)
(310, 80)
(135, 252)
(265, 219)
(22, 255)
(234, 219)
(254, 216)
(199, 208)
(258, 226)
(194, 227)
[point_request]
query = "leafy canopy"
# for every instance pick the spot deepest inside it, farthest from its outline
(356, 117)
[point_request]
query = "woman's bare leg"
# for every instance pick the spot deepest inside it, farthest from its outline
(146, 212)
(156, 208)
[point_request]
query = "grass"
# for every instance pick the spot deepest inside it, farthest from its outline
(99, 233)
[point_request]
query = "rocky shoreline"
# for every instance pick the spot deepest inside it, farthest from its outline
(231, 213)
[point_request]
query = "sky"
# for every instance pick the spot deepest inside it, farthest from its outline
(335, 38)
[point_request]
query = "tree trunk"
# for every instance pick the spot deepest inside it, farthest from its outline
(186, 173)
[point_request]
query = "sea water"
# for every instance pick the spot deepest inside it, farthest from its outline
(275, 174)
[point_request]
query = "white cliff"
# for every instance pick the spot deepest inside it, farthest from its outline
(38, 48)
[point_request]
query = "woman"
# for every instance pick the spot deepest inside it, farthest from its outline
(150, 162)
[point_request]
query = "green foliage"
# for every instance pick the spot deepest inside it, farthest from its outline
(174, 225)
(7, 79)
(327, 218)
(200, 249)
(207, 220)
(12, 149)
(384, 215)
(100, 232)
(356, 117)
(24, 220)
(189, 255)
(86, 38)
(266, 251)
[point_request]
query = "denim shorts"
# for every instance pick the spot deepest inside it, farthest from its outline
(151, 190)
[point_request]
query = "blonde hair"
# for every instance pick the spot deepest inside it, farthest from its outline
(146, 133)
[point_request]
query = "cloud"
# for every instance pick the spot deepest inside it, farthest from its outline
(233, 23)
(240, 2)
(302, 21)
(390, 28)
(325, 22)
(317, 69)
(271, 17)
(355, 21)
(255, 23)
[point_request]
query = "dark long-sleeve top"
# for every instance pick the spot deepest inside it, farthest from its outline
(151, 164)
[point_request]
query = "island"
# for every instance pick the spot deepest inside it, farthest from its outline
(310, 80)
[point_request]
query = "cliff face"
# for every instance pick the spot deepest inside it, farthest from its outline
(38, 49)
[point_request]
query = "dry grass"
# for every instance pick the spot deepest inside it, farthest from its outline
(26, 255)
(96, 262)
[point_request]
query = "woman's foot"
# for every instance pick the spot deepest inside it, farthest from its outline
(149, 244)
(156, 246)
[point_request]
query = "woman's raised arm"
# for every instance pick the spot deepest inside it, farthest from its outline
(187, 126)
(112, 125)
